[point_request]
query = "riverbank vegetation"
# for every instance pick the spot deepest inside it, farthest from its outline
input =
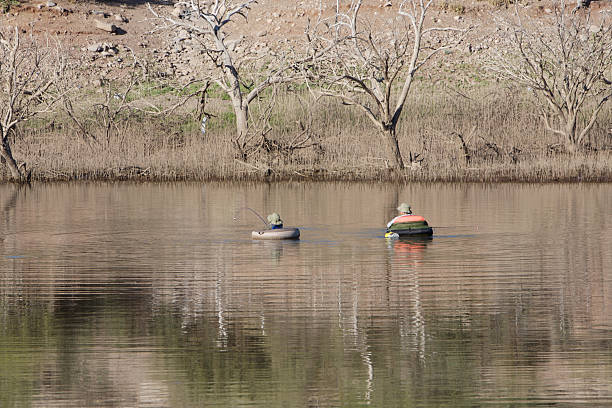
(448, 123)
(491, 135)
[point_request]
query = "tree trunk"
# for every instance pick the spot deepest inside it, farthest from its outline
(571, 133)
(390, 140)
(7, 155)
(242, 128)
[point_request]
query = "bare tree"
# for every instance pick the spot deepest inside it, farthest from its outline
(122, 99)
(29, 72)
(373, 67)
(235, 66)
(566, 62)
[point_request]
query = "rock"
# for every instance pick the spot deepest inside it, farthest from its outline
(594, 29)
(182, 35)
(262, 33)
(111, 48)
(179, 11)
(108, 27)
(120, 18)
(50, 4)
(95, 48)
(583, 3)
(61, 10)
(99, 13)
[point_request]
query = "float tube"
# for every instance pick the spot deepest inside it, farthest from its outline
(409, 225)
(278, 233)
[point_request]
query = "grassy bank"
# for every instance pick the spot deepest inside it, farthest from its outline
(488, 134)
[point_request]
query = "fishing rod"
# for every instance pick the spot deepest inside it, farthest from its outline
(258, 216)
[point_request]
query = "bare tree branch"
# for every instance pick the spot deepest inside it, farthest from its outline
(233, 64)
(565, 63)
(364, 64)
(29, 76)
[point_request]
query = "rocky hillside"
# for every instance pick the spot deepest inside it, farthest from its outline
(104, 34)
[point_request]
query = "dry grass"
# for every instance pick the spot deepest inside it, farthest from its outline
(501, 136)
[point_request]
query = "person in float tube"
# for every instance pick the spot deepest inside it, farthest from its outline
(404, 209)
(275, 222)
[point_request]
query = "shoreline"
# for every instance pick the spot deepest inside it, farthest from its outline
(480, 176)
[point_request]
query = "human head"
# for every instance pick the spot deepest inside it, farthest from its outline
(275, 219)
(404, 208)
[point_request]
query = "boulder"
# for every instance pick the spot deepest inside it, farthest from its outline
(99, 13)
(179, 11)
(182, 35)
(104, 26)
(95, 48)
(120, 18)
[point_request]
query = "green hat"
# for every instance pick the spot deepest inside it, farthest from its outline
(274, 219)
(404, 208)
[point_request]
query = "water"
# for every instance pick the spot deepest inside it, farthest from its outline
(154, 295)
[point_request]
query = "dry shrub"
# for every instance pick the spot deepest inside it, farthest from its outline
(502, 136)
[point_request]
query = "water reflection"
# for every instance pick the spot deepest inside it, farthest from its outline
(155, 295)
(275, 250)
(409, 247)
(408, 254)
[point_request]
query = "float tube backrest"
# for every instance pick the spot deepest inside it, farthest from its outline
(409, 218)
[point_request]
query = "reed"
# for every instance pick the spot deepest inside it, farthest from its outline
(488, 135)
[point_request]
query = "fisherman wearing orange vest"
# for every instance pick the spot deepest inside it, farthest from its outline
(404, 209)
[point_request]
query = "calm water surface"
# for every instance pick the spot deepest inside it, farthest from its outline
(154, 295)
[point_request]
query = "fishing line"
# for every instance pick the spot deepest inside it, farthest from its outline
(260, 217)
(256, 213)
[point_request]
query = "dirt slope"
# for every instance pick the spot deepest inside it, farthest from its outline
(270, 22)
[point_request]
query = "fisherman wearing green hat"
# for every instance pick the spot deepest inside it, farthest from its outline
(275, 221)
(404, 209)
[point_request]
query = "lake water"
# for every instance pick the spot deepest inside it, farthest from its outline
(154, 295)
